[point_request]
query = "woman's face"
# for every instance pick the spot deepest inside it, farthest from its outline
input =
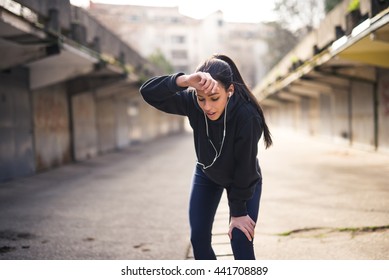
(214, 103)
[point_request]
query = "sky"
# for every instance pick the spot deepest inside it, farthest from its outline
(233, 10)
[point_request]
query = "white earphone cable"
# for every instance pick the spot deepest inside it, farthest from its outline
(224, 136)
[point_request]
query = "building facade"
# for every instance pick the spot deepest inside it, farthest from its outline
(186, 41)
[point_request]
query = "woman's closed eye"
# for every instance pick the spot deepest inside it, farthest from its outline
(201, 99)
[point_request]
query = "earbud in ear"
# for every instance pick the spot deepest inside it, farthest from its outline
(229, 94)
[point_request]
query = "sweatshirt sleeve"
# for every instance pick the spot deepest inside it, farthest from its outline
(246, 173)
(163, 93)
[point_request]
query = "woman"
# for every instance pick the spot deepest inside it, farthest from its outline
(227, 123)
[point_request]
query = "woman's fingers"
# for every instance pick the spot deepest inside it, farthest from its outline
(202, 81)
(245, 224)
(207, 83)
(248, 233)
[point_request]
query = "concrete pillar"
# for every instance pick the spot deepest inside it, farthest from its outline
(53, 23)
(78, 33)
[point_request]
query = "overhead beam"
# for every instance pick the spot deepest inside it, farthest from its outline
(70, 62)
(321, 86)
(289, 96)
(302, 90)
(382, 37)
(350, 77)
(315, 85)
(270, 102)
(326, 78)
(87, 83)
(374, 58)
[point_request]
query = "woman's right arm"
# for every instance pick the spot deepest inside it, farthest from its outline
(169, 94)
(163, 93)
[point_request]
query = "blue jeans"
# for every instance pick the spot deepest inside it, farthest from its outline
(204, 200)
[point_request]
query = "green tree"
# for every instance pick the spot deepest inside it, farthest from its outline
(330, 4)
(296, 18)
(299, 16)
(279, 41)
(160, 60)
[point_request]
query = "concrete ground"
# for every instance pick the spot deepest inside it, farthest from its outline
(319, 201)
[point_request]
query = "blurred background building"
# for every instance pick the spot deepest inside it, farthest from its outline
(184, 41)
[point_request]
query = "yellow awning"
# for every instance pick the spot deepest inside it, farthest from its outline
(373, 49)
(368, 43)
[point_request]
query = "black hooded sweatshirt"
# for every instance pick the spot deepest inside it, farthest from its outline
(237, 168)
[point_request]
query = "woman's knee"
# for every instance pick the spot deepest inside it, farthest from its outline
(238, 237)
(242, 248)
(200, 237)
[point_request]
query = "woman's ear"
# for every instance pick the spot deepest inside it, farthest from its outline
(230, 90)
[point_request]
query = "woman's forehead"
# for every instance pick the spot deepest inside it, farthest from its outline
(209, 94)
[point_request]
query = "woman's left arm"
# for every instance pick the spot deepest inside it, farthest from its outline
(246, 175)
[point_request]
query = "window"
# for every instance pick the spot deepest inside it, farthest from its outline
(182, 68)
(178, 39)
(179, 54)
(133, 18)
(175, 20)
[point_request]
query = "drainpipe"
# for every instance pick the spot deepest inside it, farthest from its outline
(53, 23)
(71, 127)
(375, 110)
(350, 113)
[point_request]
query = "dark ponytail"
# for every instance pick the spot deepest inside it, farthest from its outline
(242, 89)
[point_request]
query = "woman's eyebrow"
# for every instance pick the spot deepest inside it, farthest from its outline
(208, 94)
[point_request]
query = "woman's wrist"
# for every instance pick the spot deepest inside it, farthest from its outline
(182, 81)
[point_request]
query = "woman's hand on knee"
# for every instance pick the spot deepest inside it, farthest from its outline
(245, 224)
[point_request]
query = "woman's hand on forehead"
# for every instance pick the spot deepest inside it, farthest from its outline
(203, 81)
(209, 84)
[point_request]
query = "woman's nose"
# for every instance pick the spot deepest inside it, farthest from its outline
(206, 106)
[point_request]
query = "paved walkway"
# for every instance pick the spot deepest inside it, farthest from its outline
(319, 201)
(126, 205)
